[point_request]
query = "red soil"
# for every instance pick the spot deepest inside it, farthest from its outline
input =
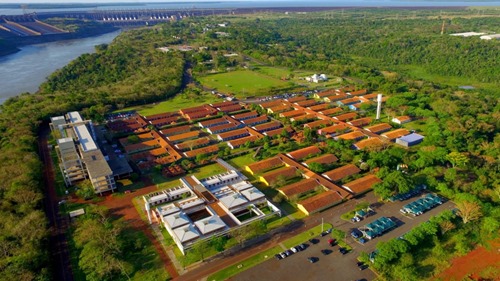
(122, 206)
(472, 264)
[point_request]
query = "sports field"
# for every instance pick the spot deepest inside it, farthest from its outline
(243, 83)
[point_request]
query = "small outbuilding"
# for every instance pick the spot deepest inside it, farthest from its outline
(410, 140)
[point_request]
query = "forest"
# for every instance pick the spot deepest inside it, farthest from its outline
(458, 159)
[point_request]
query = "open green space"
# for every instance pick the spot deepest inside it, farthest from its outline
(244, 265)
(349, 215)
(243, 83)
(176, 103)
(241, 161)
(306, 235)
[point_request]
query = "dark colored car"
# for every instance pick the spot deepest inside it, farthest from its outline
(278, 256)
(314, 241)
(302, 246)
(312, 259)
(288, 253)
(326, 252)
(355, 233)
(362, 240)
(363, 267)
(343, 251)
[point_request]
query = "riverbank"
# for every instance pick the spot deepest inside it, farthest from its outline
(11, 44)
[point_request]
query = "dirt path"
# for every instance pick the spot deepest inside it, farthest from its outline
(473, 264)
(60, 258)
(122, 206)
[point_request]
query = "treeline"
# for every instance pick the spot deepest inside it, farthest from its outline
(139, 74)
(319, 43)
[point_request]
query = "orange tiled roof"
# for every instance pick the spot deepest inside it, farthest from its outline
(379, 128)
(291, 113)
(346, 116)
(352, 136)
(319, 107)
(184, 136)
(395, 134)
(287, 172)
(360, 122)
(323, 159)
(265, 164)
(368, 142)
(304, 152)
(362, 184)
(176, 130)
(331, 111)
(342, 172)
(300, 187)
(320, 201)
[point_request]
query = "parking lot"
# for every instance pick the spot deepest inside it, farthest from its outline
(335, 266)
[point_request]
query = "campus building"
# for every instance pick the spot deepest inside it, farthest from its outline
(199, 209)
(79, 156)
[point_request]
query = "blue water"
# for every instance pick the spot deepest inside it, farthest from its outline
(268, 4)
(25, 70)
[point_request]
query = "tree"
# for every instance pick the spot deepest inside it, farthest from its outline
(469, 211)
(446, 226)
(457, 159)
(200, 248)
(317, 167)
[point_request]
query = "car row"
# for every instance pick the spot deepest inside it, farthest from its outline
(291, 251)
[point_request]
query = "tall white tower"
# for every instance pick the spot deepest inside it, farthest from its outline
(379, 105)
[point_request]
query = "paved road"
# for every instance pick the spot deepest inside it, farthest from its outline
(336, 266)
(60, 259)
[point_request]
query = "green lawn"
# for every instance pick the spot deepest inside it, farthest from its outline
(244, 265)
(306, 235)
(241, 161)
(208, 171)
(180, 101)
(275, 72)
(243, 83)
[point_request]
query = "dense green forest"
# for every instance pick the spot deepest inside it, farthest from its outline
(319, 43)
(128, 71)
(459, 157)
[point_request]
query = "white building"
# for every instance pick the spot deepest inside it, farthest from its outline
(317, 78)
(468, 34)
(491, 37)
(197, 210)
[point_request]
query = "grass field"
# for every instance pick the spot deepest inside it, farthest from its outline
(241, 161)
(243, 83)
(180, 101)
(306, 235)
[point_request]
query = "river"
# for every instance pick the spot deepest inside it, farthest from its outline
(25, 70)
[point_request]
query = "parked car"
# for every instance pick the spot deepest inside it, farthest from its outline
(313, 241)
(312, 259)
(283, 255)
(355, 233)
(294, 249)
(343, 251)
(288, 253)
(362, 240)
(302, 246)
(356, 219)
(332, 242)
(324, 233)
(325, 251)
(278, 256)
